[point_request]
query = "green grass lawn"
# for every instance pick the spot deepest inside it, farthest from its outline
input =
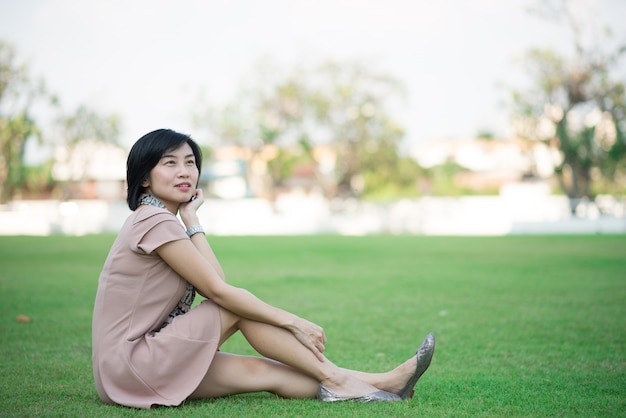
(526, 326)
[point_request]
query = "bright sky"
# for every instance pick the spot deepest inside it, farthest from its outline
(149, 61)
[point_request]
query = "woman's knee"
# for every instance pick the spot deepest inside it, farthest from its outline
(229, 323)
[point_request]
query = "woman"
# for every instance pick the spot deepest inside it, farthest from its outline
(151, 348)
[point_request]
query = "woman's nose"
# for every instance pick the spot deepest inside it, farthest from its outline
(185, 171)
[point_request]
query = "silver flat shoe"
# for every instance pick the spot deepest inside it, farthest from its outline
(424, 356)
(326, 395)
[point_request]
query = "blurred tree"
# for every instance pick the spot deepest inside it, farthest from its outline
(577, 108)
(279, 115)
(440, 180)
(37, 180)
(18, 95)
(384, 172)
(351, 107)
(345, 105)
(82, 125)
(87, 124)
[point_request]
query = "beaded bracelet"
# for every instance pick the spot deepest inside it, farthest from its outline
(194, 230)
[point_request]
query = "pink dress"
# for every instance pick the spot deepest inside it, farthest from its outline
(136, 361)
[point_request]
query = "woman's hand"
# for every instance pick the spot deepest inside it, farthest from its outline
(188, 210)
(311, 336)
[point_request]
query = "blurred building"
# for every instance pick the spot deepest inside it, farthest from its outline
(96, 170)
(91, 170)
(235, 180)
(490, 163)
(236, 172)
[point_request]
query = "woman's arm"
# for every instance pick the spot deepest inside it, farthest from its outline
(190, 218)
(202, 245)
(184, 258)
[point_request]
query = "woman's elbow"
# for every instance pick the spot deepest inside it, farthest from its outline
(220, 294)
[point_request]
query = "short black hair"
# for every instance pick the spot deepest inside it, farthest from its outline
(146, 153)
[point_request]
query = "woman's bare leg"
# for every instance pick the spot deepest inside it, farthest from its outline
(392, 381)
(281, 345)
(298, 369)
(231, 374)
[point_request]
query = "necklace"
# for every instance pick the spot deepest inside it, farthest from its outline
(148, 199)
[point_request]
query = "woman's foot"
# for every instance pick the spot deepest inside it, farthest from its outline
(403, 378)
(345, 387)
(326, 395)
(423, 358)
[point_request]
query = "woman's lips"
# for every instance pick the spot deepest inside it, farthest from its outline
(184, 186)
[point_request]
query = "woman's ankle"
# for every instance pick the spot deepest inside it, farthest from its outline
(347, 385)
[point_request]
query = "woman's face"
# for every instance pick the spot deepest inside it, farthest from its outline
(174, 178)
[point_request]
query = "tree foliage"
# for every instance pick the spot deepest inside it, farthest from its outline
(353, 108)
(577, 107)
(18, 93)
(343, 105)
(83, 125)
(20, 98)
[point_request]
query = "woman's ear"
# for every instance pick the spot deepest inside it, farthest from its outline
(145, 183)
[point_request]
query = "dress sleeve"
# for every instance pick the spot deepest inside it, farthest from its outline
(157, 229)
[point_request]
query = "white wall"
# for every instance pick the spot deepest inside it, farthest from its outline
(510, 213)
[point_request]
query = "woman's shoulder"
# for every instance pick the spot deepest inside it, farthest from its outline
(151, 219)
(154, 213)
(150, 227)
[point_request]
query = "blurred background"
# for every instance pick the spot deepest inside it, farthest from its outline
(478, 117)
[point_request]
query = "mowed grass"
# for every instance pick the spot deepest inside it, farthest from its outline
(526, 326)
